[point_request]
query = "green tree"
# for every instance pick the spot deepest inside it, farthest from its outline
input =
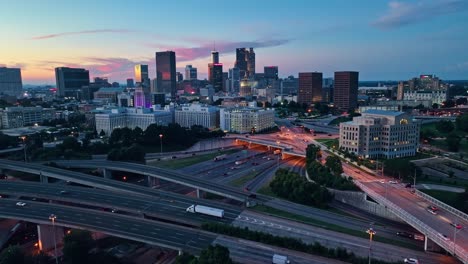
(76, 247)
(102, 133)
(13, 255)
(186, 259)
(445, 126)
(215, 255)
(334, 164)
(312, 152)
(462, 122)
(453, 142)
(70, 143)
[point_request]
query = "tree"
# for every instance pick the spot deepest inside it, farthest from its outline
(71, 143)
(12, 255)
(186, 259)
(448, 104)
(76, 247)
(445, 126)
(462, 122)
(461, 101)
(453, 142)
(334, 164)
(215, 255)
(435, 106)
(102, 133)
(312, 152)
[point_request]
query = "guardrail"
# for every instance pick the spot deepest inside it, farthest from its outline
(442, 205)
(449, 246)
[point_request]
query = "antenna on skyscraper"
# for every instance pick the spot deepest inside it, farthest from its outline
(214, 45)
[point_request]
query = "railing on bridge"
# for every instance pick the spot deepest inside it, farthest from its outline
(449, 246)
(442, 205)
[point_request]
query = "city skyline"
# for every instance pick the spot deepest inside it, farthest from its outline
(383, 40)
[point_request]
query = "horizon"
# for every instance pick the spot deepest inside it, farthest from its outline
(384, 40)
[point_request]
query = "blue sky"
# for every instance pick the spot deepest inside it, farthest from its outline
(383, 40)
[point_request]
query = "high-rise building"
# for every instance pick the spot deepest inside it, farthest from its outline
(142, 75)
(70, 81)
(179, 77)
(225, 85)
(245, 88)
(214, 57)
(130, 83)
(345, 90)
(166, 72)
(216, 76)
(310, 88)
(289, 86)
(234, 77)
(190, 73)
(245, 120)
(245, 61)
(271, 72)
(10, 81)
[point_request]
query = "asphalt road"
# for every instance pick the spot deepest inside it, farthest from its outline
(150, 232)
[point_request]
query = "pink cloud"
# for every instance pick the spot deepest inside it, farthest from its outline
(63, 34)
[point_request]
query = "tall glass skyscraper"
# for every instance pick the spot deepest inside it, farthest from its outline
(70, 81)
(10, 81)
(166, 72)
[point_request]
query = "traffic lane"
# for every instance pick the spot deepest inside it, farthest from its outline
(245, 251)
(417, 206)
(309, 234)
(136, 204)
(139, 229)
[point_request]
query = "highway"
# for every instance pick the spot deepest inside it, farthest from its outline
(138, 229)
(171, 209)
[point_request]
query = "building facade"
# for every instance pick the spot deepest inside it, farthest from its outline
(310, 88)
(245, 62)
(378, 133)
(345, 90)
(10, 81)
(234, 79)
(70, 81)
(245, 120)
(196, 114)
(13, 117)
(142, 75)
(190, 73)
(271, 72)
(166, 72)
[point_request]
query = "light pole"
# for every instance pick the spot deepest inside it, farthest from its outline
(52, 217)
(371, 233)
(160, 140)
(24, 148)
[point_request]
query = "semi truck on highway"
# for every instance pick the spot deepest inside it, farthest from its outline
(220, 157)
(206, 210)
(239, 162)
(280, 259)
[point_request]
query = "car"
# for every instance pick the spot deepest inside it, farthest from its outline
(225, 174)
(432, 211)
(114, 210)
(457, 226)
(433, 208)
(411, 261)
(444, 237)
(382, 181)
(393, 182)
(63, 192)
(21, 204)
(358, 172)
(405, 234)
(174, 157)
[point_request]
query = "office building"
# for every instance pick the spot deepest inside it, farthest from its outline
(214, 57)
(270, 72)
(190, 73)
(379, 133)
(14, 117)
(425, 88)
(246, 119)
(142, 75)
(159, 99)
(245, 62)
(179, 77)
(10, 82)
(125, 100)
(142, 98)
(245, 88)
(70, 81)
(310, 88)
(234, 78)
(166, 73)
(197, 114)
(289, 86)
(108, 94)
(225, 82)
(216, 75)
(130, 83)
(131, 118)
(345, 90)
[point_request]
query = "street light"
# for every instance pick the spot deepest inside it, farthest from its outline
(371, 233)
(24, 148)
(52, 217)
(160, 140)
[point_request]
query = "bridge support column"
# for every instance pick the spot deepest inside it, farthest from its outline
(425, 243)
(180, 252)
(45, 234)
(150, 181)
(107, 173)
(43, 179)
(198, 193)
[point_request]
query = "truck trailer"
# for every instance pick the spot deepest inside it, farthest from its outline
(206, 210)
(280, 259)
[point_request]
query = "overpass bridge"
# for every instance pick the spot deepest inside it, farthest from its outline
(137, 229)
(286, 149)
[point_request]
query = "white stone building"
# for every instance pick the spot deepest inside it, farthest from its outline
(197, 114)
(13, 117)
(242, 120)
(379, 133)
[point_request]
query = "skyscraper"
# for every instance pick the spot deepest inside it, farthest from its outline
(179, 77)
(70, 81)
(10, 81)
(130, 83)
(245, 61)
(271, 72)
(142, 75)
(216, 76)
(345, 90)
(310, 88)
(190, 73)
(214, 57)
(166, 72)
(234, 77)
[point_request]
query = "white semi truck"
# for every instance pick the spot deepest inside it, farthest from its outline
(206, 210)
(280, 259)
(220, 157)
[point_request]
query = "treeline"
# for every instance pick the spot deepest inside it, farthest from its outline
(328, 175)
(211, 255)
(293, 187)
(289, 243)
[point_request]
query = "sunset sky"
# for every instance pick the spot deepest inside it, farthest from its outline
(383, 40)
